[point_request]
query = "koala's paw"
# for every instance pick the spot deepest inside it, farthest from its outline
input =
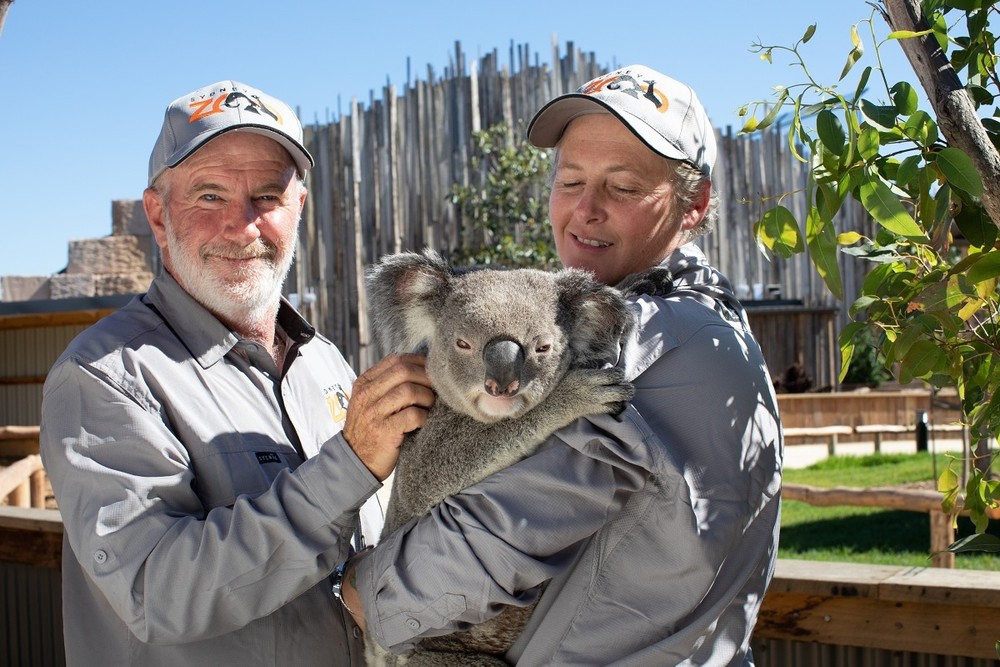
(602, 390)
(657, 280)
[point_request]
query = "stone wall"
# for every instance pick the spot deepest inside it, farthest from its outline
(122, 263)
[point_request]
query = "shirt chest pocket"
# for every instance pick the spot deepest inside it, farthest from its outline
(224, 473)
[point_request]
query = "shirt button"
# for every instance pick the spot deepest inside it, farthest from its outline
(100, 556)
(413, 623)
(357, 632)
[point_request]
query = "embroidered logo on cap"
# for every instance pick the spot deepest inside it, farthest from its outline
(234, 100)
(631, 86)
(267, 457)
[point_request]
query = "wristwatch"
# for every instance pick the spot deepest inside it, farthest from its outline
(338, 582)
(337, 585)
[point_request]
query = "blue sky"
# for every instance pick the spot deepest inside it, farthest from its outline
(83, 85)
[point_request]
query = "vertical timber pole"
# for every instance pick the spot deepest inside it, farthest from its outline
(921, 431)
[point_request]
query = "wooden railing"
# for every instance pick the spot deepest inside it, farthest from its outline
(914, 609)
(884, 609)
(22, 482)
(915, 500)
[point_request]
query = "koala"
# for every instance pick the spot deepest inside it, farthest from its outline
(513, 355)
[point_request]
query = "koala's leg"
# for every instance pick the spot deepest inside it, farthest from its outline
(376, 656)
(435, 659)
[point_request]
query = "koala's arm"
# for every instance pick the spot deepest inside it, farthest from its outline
(582, 392)
(493, 543)
(452, 451)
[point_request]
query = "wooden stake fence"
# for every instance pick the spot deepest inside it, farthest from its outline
(385, 169)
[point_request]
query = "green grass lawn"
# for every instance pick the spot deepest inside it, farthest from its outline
(869, 535)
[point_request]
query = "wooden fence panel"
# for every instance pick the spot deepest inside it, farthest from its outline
(385, 169)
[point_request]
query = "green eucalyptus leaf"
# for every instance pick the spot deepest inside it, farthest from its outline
(831, 131)
(852, 58)
(906, 34)
(872, 253)
(771, 115)
(847, 345)
(921, 128)
(975, 224)
(977, 542)
(907, 169)
(868, 143)
(987, 267)
(829, 199)
(915, 330)
(796, 134)
(749, 125)
(810, 31)
(855, 55)
(948, 480)
(822, 240)
(778, 231)
(904, 97)
(862, 302)
(862, 84)
(958, 168)
(887, 210)
(980, 95)
(939, 27)
(884, 117)
(923, 357)
(991, 124)
(963, 5)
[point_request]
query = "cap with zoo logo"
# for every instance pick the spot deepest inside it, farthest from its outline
(663, 112)
(192, 120)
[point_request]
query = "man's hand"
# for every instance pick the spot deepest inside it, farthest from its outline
(388, 401)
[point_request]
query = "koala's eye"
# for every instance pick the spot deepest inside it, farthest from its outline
(462, 345)
(542, 348)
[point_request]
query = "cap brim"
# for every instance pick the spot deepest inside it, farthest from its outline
(547, 127)
(303, 160)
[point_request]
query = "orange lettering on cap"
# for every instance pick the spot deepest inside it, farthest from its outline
(202, 108)
(597, 85)
(664, 102)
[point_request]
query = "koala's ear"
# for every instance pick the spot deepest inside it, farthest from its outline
(406, 291)
(597, 317)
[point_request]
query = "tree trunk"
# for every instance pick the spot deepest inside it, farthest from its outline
(4, 6)
(956, 114)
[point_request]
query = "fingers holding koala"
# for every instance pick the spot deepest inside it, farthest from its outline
(388, 401)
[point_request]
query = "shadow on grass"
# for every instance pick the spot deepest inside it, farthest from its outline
(885, 531)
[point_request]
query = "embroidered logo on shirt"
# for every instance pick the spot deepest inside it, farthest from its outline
(267, 457)
(336, 400)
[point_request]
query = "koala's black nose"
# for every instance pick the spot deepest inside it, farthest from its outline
(503, 361)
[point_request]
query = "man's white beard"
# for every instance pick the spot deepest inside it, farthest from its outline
(245, 297)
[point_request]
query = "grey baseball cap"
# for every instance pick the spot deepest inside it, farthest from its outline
(192, 120)
(663, 113)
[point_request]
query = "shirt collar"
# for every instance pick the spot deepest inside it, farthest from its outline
(206, 338)
(694, 276)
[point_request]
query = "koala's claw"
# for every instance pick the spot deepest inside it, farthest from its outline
(602, 390)
(655, 281)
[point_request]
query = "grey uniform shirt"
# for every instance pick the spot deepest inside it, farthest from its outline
(206, 495)
(656, 530)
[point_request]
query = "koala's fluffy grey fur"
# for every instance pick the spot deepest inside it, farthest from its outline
(513, 356)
